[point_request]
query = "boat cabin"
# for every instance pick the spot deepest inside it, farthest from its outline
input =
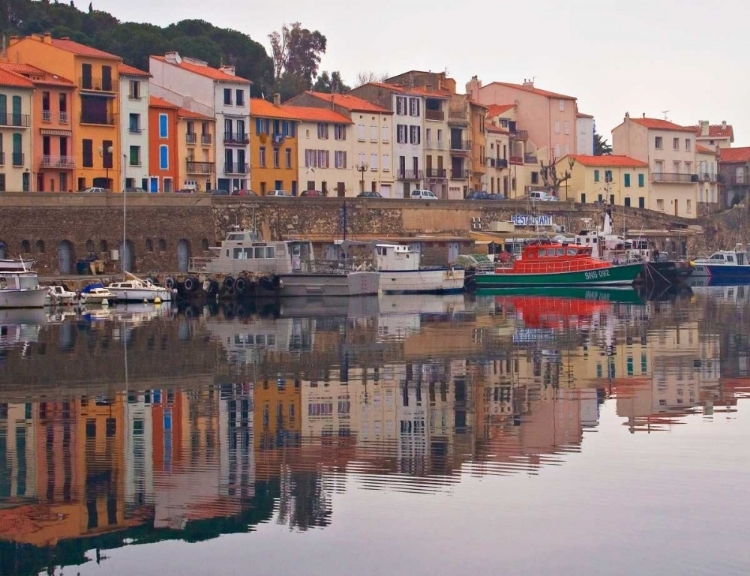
(394, 257)
(550, 257)
(19, 281)
(727, 258)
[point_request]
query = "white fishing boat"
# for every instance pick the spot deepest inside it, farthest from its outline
(725, 265)
(19, 286)
(401, 273)
(97, 296)
(10, 265)
(59, 296)
(134, 289)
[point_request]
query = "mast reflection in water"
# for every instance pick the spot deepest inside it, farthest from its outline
(146, 424)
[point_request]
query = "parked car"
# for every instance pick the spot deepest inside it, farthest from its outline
(318, 193)
(482, 195)
(243, 192)
(541, 196)
(134, 190)
(369, 194)
(283, 193)
(219, 192)
(423, 194)
(95, 190)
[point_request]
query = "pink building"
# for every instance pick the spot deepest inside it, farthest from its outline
(546, 118)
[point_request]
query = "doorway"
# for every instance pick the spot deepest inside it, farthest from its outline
(65, 257)
(183, 255)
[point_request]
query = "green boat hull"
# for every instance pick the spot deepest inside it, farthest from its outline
(621, 294)
(614, 276)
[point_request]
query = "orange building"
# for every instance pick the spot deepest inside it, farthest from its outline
(162, 145)
(196, 134)
(273, 146)
(92, 109)
(53, 160)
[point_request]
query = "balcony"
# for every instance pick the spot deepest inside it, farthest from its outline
(463, 146)
(459, 174)
(17, 120)
(708, 177)
(438, 115)
(17, 158)
(97, 119)
(434, 145)
(95, 84)
(530, 159)
(191, 137)
(236, 168)
(235, 138)
(133, 129)
(194, 167)
(134, 96)
(64, 162)
(521, 135)
(440, 173)
(409, 174)
(516, 160)
(673, 177)
(63, 117)
(46, 116)
(206, 139)
(501, 163)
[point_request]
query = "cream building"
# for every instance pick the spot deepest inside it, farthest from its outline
(617, 180)
(16, 164)
(708, 175)
(669, 150)
(496, 180)
(714, 135)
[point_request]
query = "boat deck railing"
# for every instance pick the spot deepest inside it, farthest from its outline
(551, 267)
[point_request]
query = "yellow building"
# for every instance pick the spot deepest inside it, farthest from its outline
(617, 180)
(273, 147)
(196, 161)
(94, 106)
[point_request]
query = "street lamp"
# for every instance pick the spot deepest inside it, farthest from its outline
(362, 168)
(106, 160)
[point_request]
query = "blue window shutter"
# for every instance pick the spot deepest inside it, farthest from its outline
(164, 157)
(258, 126)
(163, 133)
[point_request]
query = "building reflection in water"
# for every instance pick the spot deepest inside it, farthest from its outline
(262, 419)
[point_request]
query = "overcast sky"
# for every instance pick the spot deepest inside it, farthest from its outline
(638, 56)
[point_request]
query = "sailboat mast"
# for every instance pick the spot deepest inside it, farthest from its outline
(345, 223)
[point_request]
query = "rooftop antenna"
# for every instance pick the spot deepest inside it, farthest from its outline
(665, 114)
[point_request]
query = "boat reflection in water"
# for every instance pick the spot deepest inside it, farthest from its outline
(143, 425)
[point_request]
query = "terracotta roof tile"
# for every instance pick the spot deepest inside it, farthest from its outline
(311, 114)
(490, 127)
(533, 90)
(658, 124)
(126, 70)
(497, 109)
(610, 160)
(206, 71)
(704, 150)
(37, 75)
(14, 79)
(185, 113)
(734, 155)
(82, 49)
(156, 102)
(266, 109)
(351, 103)
(717, 131)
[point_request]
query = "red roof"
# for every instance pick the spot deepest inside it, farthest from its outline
(156, 102)
(205, 70)
(497, 109)
(734, 155)
(37, 75)
(533, 90)
(126, 70)
(185, 113)
(658, 124)
(82, 49)
(717, 131)
(496, 129)
(703, 150)
(14, 79)
(311, 114)
(607, 161)
(351, 103)
(582, 115)
(266, 109)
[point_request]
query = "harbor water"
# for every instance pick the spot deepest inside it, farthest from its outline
(584, 432)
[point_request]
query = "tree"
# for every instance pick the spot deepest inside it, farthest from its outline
(296, 52)
(330, 84)
(601, 146)
(367, 77)
(552, 180)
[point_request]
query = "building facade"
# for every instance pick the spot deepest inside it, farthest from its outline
(708, 176)
(669, 150)
(134, 126)
(615, 180)
(16, 101)
(734, 172)
(498, 143)
(94, 106)
(196, 135)
(219, 93)
(162, 145)
(584, 134)
(714, 135)
(273, 142)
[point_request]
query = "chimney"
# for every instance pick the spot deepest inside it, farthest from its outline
(172, 57)
(528, 82)
(47, 39)
(723, 124)
(227, 69)
(473, 86)
(704, 127)
(644, 114)
(277, 99)
(627, 115)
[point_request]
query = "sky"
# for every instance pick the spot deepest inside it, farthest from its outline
(658, 57)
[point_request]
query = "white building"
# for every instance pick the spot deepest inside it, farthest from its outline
(194, 85)
(134, 99)
(584, 134)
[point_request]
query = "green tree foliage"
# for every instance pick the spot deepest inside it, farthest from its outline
(601, 146)
(296, 54)
(330, 83)
(135, 42)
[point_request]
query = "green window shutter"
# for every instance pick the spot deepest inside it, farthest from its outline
(596, 175)
(627, 180)
(641, 181)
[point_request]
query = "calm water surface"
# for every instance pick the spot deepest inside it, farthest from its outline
(591, 434)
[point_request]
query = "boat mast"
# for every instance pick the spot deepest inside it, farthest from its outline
(344, 217)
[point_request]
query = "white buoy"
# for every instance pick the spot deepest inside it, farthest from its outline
(157, 300)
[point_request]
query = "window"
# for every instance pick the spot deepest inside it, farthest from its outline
(641, 180)
(415, 134)
(262, 156)
(107, 78)
(626, 178)
(135, 123)
(163, 126)
(401, 105)
(373, 162)
(361, 132)
(260, 126)
(239, 98)
(86, 76)
(641, 202)
(627, 201)
(675, 143)
(567, 127)
(164, 157)
(2, 183)
(414, 106)
(386, 167)
(288, 157)
(658, 142)
(688, 145)
(361, 160)
(557, 150)
(135, 90)
(87, 149)
(373, 133)
(275, 157)
(135, 155)
(339, 132)
(385, 135)
(340, 159)
(608, 175)
(227, 96)
(557, 126)
(309, 158)
(322, 131)
(689, 206)
(401, 136)
(562, 105)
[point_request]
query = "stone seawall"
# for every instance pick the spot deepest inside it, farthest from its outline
(162, 230)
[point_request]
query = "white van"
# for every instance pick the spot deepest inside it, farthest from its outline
(541, 196)
(423, 195)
